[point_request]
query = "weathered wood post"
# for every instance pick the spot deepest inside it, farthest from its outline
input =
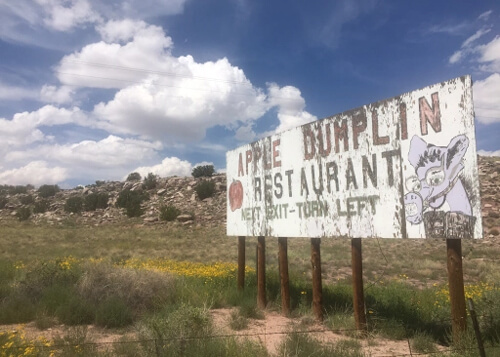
(241, 263)
(261, 273)
(456, 288)
(317, 289)
(357, 284)
(284, 279)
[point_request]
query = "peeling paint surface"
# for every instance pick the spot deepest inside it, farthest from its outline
(380, 170)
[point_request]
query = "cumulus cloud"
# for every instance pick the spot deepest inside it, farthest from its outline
(57, 95)
(245, 133)
(109, 158)
(486, 103)
(170, 166)
(290, 105)
(120, 30)
(36, 173)
(63, 18)
(24, 128)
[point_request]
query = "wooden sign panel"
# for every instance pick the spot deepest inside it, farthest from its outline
(405, 167)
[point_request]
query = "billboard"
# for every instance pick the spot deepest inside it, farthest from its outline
(405, 167)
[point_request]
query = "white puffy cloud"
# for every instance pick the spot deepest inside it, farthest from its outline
(23, 128)
(112, 152)
(486, 99)
(170, 166)
(245, 133)
(36, 173)
(120, 30)
(112, 65)
(88, 160)
(57, 95)
(290, 105)
(65, 15)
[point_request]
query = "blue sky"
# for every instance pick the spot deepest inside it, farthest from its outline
(93, 90)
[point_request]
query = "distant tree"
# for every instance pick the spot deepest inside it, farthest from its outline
(205, 189)
(45, 191)
(41, 206)
(203, 171)
(74, 204)
(131, 201)
(150, 181)
(23, 213)
(134, 176)
(94, 201)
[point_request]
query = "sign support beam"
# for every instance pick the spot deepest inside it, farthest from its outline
(241, 262)
(261, 272)
(317, 291)
(456, 288)
(357, 284)
(284, 279)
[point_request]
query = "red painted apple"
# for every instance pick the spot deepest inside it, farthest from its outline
(235, 195)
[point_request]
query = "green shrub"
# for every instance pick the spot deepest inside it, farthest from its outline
(19, 189)
(23, 213)
(423, 343)
(205, 189)
(27, 200)
(112, 313)
(76, 311)
(74, 204)
(141, 290)
(238, 322)
(54, 296)
(131, 201)
(41, 206)
(150, 181)
(3, 202)
(43, 275)
(203, 171)
(45, 191)
(134, 176)
(169, 213)
(298, 344)
(16, 308)
(94, 201)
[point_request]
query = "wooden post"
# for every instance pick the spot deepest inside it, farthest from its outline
(241, 263)
(357, 284)
(284, 279)
(456, 288)
(317, 290)
(261, 273)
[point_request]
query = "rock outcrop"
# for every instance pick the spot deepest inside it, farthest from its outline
(180, 192)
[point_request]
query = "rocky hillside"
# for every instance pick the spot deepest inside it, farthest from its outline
(180, 192)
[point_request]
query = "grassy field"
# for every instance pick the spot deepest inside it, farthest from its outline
(161, 279)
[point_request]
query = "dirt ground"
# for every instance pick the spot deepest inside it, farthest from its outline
(269, 331)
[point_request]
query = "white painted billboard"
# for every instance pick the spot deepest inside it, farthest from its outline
(405, 167)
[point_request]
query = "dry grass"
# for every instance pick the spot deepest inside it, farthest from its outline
(422, 262)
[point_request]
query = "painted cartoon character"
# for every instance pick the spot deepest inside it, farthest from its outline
(438, 181)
